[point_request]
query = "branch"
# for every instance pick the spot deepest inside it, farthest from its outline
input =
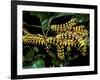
(26, 24)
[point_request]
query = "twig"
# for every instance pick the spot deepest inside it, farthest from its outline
(25, 31)
(26, 24)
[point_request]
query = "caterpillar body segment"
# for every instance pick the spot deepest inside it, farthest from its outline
(34, 39)
(82, 46)
(60, 52)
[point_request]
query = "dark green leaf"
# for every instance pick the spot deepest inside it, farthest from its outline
(38, 64)
(29, 56)
(45, 24)
(46, 17)
(82, 17)
(55, 62)
(56, 15)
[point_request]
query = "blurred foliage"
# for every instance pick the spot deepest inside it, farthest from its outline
(38, 64)
(82, 18)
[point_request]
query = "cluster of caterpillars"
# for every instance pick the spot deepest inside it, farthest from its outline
(68, 35)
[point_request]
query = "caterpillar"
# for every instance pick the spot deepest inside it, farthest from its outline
(64, 27)
(70, 25)
(68, 35)
(34, 39)
(83, 45)
(60, 52)
(69, 38)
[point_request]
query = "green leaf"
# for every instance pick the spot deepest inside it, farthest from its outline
(82, 17)
(47, 17)
(44, 18)
(55, 62)
(29, 56)
(38, 64)
(57, 15)
(45, 24)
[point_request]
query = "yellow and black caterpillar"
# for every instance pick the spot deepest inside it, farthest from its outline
(34, 39)
(69, 26)
(68, 35)
(59, 28)
(62, 39)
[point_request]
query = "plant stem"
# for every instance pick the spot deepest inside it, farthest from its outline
(26, 24)
(42, 27)
(48, 26)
